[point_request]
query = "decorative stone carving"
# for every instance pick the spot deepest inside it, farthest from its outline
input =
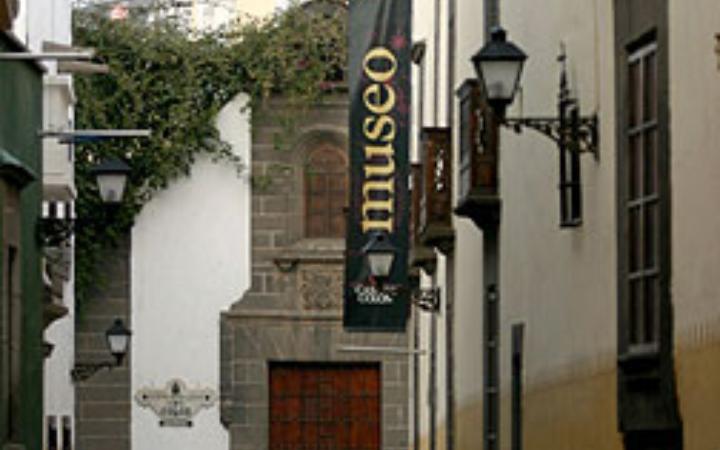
(321, 286)
(176, 405)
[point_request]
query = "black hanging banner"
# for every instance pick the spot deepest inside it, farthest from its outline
(379, 76)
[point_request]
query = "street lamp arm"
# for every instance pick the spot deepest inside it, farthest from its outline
(581, 138)
(83, 371)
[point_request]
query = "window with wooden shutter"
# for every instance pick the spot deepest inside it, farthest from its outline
(326, 185)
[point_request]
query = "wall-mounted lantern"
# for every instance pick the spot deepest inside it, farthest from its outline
(111, 178)
(380, 255)
(499, 65)
(117, 338)
(111, 175)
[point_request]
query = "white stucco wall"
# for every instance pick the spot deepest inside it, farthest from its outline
(560, 282)
(59, 390)
(41, 21)
(695, 166)
(190, 260)
(469, 287)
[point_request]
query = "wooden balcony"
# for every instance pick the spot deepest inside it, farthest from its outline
(478, 197)
(435, 221)
(421, 257)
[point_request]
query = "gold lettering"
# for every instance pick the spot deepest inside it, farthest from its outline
(372, 98)
(377, 225)
(386, 170)
(379, 99)
(378, 205)
(374, 127)
(379, 185)
(380, 53)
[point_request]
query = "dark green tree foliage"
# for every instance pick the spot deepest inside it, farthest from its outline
(174, 82)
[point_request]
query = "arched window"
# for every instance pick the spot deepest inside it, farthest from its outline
(326, 186)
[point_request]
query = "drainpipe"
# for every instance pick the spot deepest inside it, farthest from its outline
(450, 268)
(433, 319)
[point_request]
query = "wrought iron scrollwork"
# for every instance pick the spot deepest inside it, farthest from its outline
(569, 129)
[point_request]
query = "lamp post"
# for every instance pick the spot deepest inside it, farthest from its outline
(117, 338)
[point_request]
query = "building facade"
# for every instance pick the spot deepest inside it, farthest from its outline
(577, 307)
(195, 231)
(291, 375)
(21, 315)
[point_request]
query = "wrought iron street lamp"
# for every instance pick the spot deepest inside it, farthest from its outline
(117, 338)
(499, 65)
(380, 255)
(111, 175)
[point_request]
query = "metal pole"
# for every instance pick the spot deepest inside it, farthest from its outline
(59, 56)
(89, 134)
(432, 385)
(416, 379)
(450, 268)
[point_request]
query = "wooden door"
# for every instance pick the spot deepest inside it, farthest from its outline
(324, 407)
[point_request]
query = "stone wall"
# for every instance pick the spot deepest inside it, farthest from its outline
(293, 311)
(103, 401)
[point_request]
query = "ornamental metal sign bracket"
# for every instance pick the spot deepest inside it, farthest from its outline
(176, 405)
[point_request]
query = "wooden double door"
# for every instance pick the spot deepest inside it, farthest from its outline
(324, 406)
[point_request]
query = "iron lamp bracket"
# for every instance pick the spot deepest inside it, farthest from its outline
(569, 130)
(579, 135)
(83, 371)
(427, 299)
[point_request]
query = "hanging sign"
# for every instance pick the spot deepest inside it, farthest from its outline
(379, 76)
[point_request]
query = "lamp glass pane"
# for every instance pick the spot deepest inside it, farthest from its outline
(118, 343)
(111, 187)
(381, 263)
(501, 79)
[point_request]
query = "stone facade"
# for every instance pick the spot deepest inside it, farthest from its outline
(293, 311)
(103, 400)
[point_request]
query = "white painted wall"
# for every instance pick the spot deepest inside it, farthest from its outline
(190, 260)
(51, 21)
(695, 168)
(59, 391)
(560, 282)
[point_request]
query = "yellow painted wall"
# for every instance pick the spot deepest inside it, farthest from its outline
(695, 180)
(561, 283)
(698, 376)
(571, 413)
